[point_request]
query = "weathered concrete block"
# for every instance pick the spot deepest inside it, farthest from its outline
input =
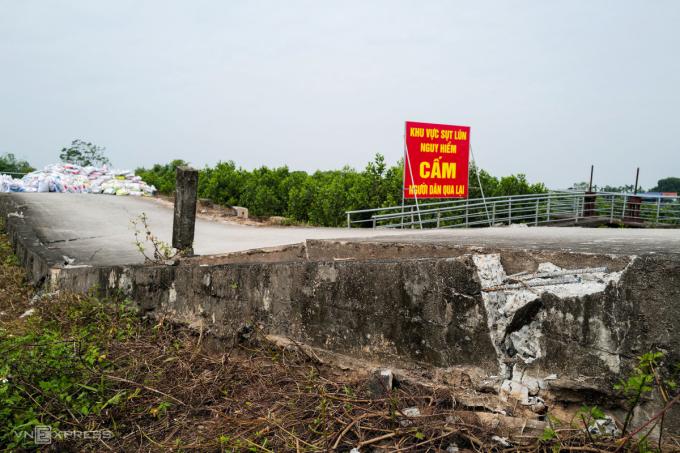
(186, 195)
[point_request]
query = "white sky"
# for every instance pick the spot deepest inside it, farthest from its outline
(547, 87)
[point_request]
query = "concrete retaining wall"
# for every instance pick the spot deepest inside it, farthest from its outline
(419, 305)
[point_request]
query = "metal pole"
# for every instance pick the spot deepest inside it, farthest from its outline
(623, 210)
(509, 211)
(348, 221)
(439, 216)
(536, 223)
(415, 193)
(479, 181)
(467, 223)
(611, 216)
(493, 213)
(590, 186)
(658, 208)
(403, 181)
(548, 213)
(637, 177)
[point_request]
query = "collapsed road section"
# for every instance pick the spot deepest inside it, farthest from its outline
(548, 327)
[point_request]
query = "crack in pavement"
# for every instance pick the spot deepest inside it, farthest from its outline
(59, 241)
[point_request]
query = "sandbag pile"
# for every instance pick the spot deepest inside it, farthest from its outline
(76, 179)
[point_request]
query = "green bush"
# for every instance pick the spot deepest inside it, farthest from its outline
(320, 198)
(161, 176)
(52, 375)
(10, 164)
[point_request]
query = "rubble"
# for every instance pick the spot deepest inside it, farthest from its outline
(410, 412)
(604, 426)
(515, 308)
(381, 382)
(73, 178)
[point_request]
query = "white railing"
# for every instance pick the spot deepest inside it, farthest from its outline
(534, 209)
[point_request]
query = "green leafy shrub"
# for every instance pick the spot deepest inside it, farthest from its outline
(320, 198)
(51, 374)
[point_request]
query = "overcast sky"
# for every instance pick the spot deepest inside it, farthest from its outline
(548, 87)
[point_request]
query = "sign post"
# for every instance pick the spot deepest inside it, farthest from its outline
(436, 160)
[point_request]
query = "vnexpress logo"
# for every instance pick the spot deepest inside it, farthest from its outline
(42, 435)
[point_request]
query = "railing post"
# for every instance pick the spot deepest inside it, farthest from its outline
(184, 223)
(373, 222)
(658, 209)
(548, 210)
(623, 210)
(467, 223)
(611, 215)
(493, 214)
(348, 221)
(439, 216)
(536, 222)
(509, 211)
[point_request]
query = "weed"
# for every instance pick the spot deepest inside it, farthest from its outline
(162, 251)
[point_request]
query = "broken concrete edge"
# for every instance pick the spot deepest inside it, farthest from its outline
(33, 253)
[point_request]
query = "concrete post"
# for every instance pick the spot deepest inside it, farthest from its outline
(186, 190)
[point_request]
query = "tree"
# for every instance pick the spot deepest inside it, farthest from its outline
(10, 164)
(163, 176)
(84, 153)
(667, 185)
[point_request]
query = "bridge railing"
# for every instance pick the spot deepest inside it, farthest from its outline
(548, 208)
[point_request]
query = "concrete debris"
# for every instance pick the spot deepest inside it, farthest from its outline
(532, 385)
(354, 450)
(514, 390)
(501, 440)
(452, 448)
(539, 407)
(605, 426)
(28, 313)
(409, 412)
(381, 382)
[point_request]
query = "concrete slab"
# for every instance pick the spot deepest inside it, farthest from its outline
(97, 230)
(624, 241)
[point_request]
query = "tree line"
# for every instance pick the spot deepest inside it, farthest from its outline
(319, 198)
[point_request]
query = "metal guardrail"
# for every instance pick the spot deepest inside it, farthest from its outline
(533, 209)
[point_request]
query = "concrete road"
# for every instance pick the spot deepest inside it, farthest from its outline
(621, 241)
(97, 230)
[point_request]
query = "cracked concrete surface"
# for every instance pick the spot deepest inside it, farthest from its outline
(514, 306)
